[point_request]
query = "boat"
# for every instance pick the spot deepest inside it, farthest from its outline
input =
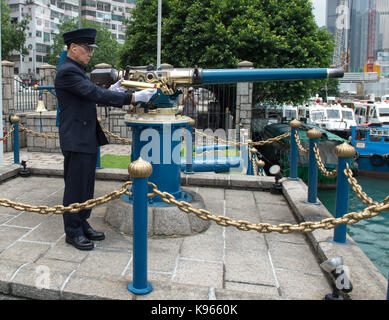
(279, 152)
(368, 111)
(334, 118)
(372, 145)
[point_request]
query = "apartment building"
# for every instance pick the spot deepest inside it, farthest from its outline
(47, 15)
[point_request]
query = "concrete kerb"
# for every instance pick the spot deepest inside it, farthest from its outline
(368, 282)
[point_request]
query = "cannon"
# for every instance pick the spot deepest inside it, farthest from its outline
(169, 80)
(157, 132)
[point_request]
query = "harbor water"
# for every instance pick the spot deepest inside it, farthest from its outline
(371, 235)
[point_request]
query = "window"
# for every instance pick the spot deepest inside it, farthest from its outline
(348, 115)
(39, 34)
(46, 36)
(360, 135)
(333, 114)
(384, 112)
(317, 115)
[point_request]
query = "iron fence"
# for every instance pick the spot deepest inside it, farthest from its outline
(216, 106)
(25, 97)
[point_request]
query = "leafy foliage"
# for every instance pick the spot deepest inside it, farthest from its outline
(13, 35)
(219, 34)
(107, 51)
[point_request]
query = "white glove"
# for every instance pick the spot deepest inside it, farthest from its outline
(144, 95)
(116, 87)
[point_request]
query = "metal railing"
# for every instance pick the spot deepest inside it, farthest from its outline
(25, 97)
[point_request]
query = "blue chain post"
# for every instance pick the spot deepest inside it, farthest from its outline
(139, 171)
(293, 163)
(15, 121)
(250, 169)
(387, 292)
(189, 147)
(313, 136)
(344, 152)
(98, 162)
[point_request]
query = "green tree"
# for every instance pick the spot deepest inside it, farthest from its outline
(217, 34)
(13, 35)
(107, 51)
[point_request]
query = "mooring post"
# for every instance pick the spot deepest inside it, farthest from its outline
(189, 147)
(293, 162)
(344, 152)
(139, 171)
(15, 121)
(313, 136)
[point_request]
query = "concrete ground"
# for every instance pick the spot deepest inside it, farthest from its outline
(221, 263)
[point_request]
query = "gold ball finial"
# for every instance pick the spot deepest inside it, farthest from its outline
(314, 134)
(260, 163)
(140, 169)
(99, 119)
(344, 150)
(14, 118)
(192, 122)
(295, 123)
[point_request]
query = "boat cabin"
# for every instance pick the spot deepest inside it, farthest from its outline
(372, 112)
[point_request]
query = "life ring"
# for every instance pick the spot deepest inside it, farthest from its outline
(377, 160)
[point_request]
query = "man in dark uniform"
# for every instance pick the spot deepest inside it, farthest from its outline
(80, 132)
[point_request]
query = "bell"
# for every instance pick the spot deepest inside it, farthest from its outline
(40, 106)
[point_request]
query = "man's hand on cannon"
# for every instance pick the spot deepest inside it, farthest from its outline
(144, 95)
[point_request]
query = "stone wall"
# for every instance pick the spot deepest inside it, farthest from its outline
(49, 128)
(244, 101)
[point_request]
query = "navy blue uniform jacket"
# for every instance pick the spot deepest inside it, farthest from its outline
(79, 130)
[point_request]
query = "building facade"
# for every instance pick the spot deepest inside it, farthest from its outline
(47, 15)
(355, 40)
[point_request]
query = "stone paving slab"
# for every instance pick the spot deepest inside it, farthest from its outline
(219, 263)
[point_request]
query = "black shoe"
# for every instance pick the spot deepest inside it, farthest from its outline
(94, 235)
(80, 242)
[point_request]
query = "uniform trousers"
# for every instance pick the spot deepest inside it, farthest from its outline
(79, 176)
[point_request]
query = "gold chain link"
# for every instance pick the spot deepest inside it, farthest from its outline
(309, 226)
(238, 144)
(358, 188)
(324, 171)
(72, 208)
(299, 144)
(11, 129)
(126, 141)
(23, 128)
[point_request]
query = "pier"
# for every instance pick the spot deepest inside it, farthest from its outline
(220, 263)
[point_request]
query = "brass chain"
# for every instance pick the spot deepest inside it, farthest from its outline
(308, 226)
(42, 135)
(72, 208)
(126, 141)
(324, 171)
(11, 129)
(271, 140)
(358, 188)
(237, 144)
(299, 144)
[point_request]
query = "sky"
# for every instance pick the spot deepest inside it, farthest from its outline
(319, 10)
